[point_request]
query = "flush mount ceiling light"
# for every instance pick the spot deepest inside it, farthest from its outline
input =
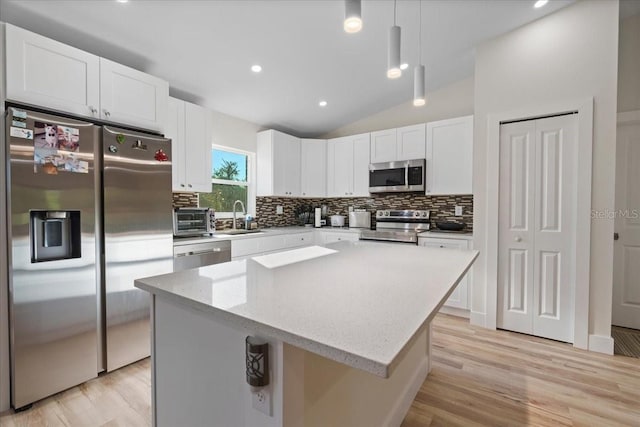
(322, 103)
(404, 66)
(122, 1)
(256, 68)
(352, 16)
(393, 57)
(540, 3)
(419, 98)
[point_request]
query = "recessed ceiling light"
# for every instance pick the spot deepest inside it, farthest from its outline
(256, 68)
(122, 1)
(322, 103)
(540, 3)
(404, 66)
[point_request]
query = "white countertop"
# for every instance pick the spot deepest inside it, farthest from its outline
(360, 306)
(273, 231)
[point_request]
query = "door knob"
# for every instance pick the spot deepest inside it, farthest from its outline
(518, 239)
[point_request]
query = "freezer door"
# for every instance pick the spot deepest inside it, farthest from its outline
(53, 278)
(138, 236)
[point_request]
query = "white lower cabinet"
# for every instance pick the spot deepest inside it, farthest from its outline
(326, 237)
(259, 245)
(460, 296)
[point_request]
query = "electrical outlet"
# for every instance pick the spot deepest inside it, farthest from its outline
(279, 210)
(458, 211)
(261, 401)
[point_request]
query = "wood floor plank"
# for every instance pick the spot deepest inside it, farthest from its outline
(479, 378)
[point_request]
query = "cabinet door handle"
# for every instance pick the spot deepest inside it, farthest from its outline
(616, 236)
(190, 186)
(93, 109)
(518, 239)
(106, 113)
(181, 185)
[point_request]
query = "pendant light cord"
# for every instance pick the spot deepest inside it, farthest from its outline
(395, 6)
(420, 33)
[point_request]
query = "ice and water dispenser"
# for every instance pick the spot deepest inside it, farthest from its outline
(55, 235)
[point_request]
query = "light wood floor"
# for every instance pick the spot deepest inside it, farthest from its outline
(120, 398)
(479, 378)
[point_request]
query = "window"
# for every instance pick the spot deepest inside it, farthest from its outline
(231, 180)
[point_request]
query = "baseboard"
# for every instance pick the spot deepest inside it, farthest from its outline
(402, 405)
(454, 311)
(478, 319)
(601, 344)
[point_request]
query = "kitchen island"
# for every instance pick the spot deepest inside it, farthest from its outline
(348, 328)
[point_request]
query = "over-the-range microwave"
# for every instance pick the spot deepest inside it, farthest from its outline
(400, 176)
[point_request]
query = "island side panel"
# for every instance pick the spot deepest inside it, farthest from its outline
(338, 395)
(199, 366)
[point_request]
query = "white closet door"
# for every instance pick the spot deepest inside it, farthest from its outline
(515, 239)
(554, 239)
(537, 227)
(626, 255)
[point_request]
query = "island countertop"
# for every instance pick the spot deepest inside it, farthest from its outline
(358, 303)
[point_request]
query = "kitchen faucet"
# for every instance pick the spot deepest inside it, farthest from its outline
(244, 211)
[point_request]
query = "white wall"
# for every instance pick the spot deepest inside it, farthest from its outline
(569, 55)
(233, 132)
(451, 101)
(629, 65)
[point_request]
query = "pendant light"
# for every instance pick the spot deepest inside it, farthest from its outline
(419, 98)
(352, 16)
(393, 58)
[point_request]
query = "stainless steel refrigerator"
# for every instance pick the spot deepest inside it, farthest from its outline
(89, 212)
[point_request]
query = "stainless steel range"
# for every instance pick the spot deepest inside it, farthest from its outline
(398, 226)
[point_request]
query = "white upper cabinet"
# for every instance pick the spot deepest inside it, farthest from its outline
(190, 128)
(278, 164)
(174, 130)
(50, 74)
(405, 143)
(411, 143)
(360, 165)
(313, 153)
(450, 156)
(133, 97)
(383, 146)
(348, 166)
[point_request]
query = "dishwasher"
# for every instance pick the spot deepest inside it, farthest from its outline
(194, 254)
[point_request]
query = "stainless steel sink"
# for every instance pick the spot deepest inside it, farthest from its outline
(240, 231)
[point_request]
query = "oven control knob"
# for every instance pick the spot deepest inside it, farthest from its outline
(424, 214)
(416, 213)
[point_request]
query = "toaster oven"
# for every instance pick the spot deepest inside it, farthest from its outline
(193, 222)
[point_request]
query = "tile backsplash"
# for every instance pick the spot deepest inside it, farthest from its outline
(441, 207)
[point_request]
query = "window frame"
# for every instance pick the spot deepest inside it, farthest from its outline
(250, 183)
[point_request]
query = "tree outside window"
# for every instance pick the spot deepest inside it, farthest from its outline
(229, 180)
